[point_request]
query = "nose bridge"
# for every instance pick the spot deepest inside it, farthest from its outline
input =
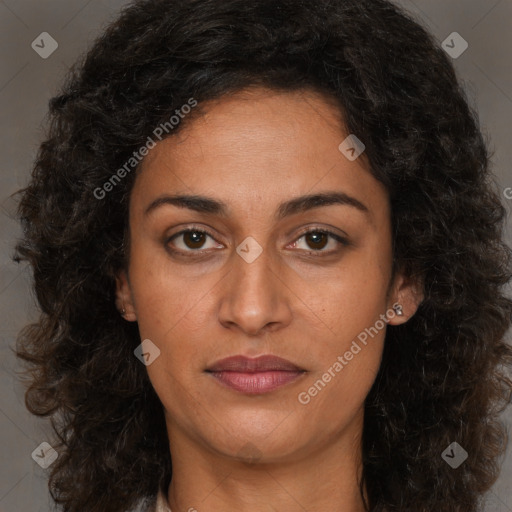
(255, 297)
(255, 277)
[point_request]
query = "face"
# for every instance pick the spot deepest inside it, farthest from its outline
(281, 247)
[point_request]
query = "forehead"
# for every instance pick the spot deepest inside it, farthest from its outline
(259, 116)
(258, 146)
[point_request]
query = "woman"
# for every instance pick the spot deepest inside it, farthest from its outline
(267, 250)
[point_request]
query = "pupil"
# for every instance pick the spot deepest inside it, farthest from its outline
(317, 239)
(196, 238)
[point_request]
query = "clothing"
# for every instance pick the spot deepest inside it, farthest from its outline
(161, 503)
(155, 504)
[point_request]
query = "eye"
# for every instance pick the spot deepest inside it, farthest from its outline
(317, 240)
(194, 241)
(191, 240)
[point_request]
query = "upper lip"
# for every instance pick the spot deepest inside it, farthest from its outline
(258, 364)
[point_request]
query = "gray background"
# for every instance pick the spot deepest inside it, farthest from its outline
(27, 81)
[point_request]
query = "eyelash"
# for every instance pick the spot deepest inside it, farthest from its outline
(316, 253)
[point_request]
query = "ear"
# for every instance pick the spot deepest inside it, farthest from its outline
(408, 292)
(124, 300)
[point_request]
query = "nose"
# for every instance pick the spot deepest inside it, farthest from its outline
(255, 299)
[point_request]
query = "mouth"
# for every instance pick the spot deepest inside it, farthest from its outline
(255, 376)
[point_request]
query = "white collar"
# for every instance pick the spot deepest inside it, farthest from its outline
(161, 503)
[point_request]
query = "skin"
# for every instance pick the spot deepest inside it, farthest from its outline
(253, 151)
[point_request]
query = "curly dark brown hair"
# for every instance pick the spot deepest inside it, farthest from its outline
(443, 376)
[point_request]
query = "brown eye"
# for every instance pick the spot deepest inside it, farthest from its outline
(194, 239)
(317, 239)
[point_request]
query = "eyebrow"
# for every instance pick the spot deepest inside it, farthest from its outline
(208, 205)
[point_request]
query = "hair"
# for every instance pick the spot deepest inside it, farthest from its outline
(444, 373)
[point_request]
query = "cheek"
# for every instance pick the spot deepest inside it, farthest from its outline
(349, 365)
(349, 340)
(349, 299)
(175, 317)
(174, 374)
(163, 300)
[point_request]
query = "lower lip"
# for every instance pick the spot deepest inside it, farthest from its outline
(257, 382)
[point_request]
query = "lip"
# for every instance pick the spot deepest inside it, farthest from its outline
(255, 375)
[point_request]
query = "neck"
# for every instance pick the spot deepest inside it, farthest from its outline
(314, 480)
